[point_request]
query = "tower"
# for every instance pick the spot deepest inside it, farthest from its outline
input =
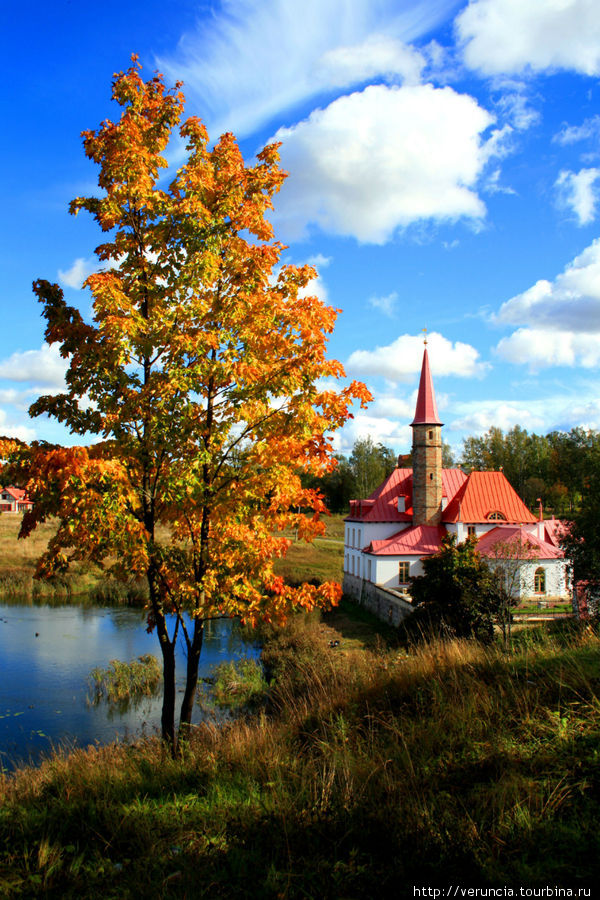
(427, 453)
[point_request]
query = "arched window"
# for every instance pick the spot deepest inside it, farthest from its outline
(496, 516)
(539, 581)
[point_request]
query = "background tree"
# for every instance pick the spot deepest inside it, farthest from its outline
(198, 373)
(581, 541)
(457, 594)
(370, 464)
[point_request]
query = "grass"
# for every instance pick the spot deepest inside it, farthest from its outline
(369, 768)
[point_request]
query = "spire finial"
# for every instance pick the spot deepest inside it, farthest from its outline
(424, 330)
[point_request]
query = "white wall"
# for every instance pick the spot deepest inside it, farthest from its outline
(365, 532)
(556, 579)
(385, 569)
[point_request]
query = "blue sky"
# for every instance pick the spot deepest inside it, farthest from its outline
(444, 173)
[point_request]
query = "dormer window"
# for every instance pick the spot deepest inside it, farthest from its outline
(496, 516)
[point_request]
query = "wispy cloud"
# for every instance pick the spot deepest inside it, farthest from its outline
(248, 62)
(385, 305)
(572, 134)
(577, 191)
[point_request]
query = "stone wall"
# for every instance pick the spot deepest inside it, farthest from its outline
(388, 606)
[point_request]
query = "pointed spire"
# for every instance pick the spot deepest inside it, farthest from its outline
(426, 412)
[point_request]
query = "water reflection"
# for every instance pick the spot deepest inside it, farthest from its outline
(46, 655)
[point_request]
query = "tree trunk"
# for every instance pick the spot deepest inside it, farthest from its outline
(191, 680)
(167, 719)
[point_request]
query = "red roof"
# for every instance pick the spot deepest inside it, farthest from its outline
(527, 545)
(382, 505)
(487, 496)
(426, 412)
(556, 530)
(421, 540)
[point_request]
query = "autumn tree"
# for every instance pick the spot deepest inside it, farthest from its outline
(198, 375)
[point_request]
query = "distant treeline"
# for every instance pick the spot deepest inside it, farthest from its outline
(556, 468)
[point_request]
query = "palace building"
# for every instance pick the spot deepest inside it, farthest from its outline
(388, 534)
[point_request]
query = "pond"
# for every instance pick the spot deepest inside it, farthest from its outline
(46, 655)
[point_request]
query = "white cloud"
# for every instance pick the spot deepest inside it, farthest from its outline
(502, 414)
(378, 55)
(571, 134)
(569, 303)
(12, 430)
(577, 192)
(385, 305)
(316, 287)
(541, 348)
(381, 159)
(44, 366)
(585, 415)
(511, 36)
(319, 261)
(401, 360)
(390, 406)
(248, 61)
(79, 271)
(389, 432)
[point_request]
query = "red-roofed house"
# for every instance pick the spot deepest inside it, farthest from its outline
(405, 518)
(14, 499)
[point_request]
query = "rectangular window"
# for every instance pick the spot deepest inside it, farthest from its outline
(471, 531)
(354, 537)
(369, 570)
(403, 569)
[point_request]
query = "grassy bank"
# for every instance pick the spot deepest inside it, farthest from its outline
(368, 770)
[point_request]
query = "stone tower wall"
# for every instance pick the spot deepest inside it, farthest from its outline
(427, 474)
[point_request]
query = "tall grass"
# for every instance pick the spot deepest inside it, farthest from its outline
(368, 772)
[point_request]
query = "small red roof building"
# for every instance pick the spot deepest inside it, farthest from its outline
(13, 499)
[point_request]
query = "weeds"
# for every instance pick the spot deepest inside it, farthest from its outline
(123, 682)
